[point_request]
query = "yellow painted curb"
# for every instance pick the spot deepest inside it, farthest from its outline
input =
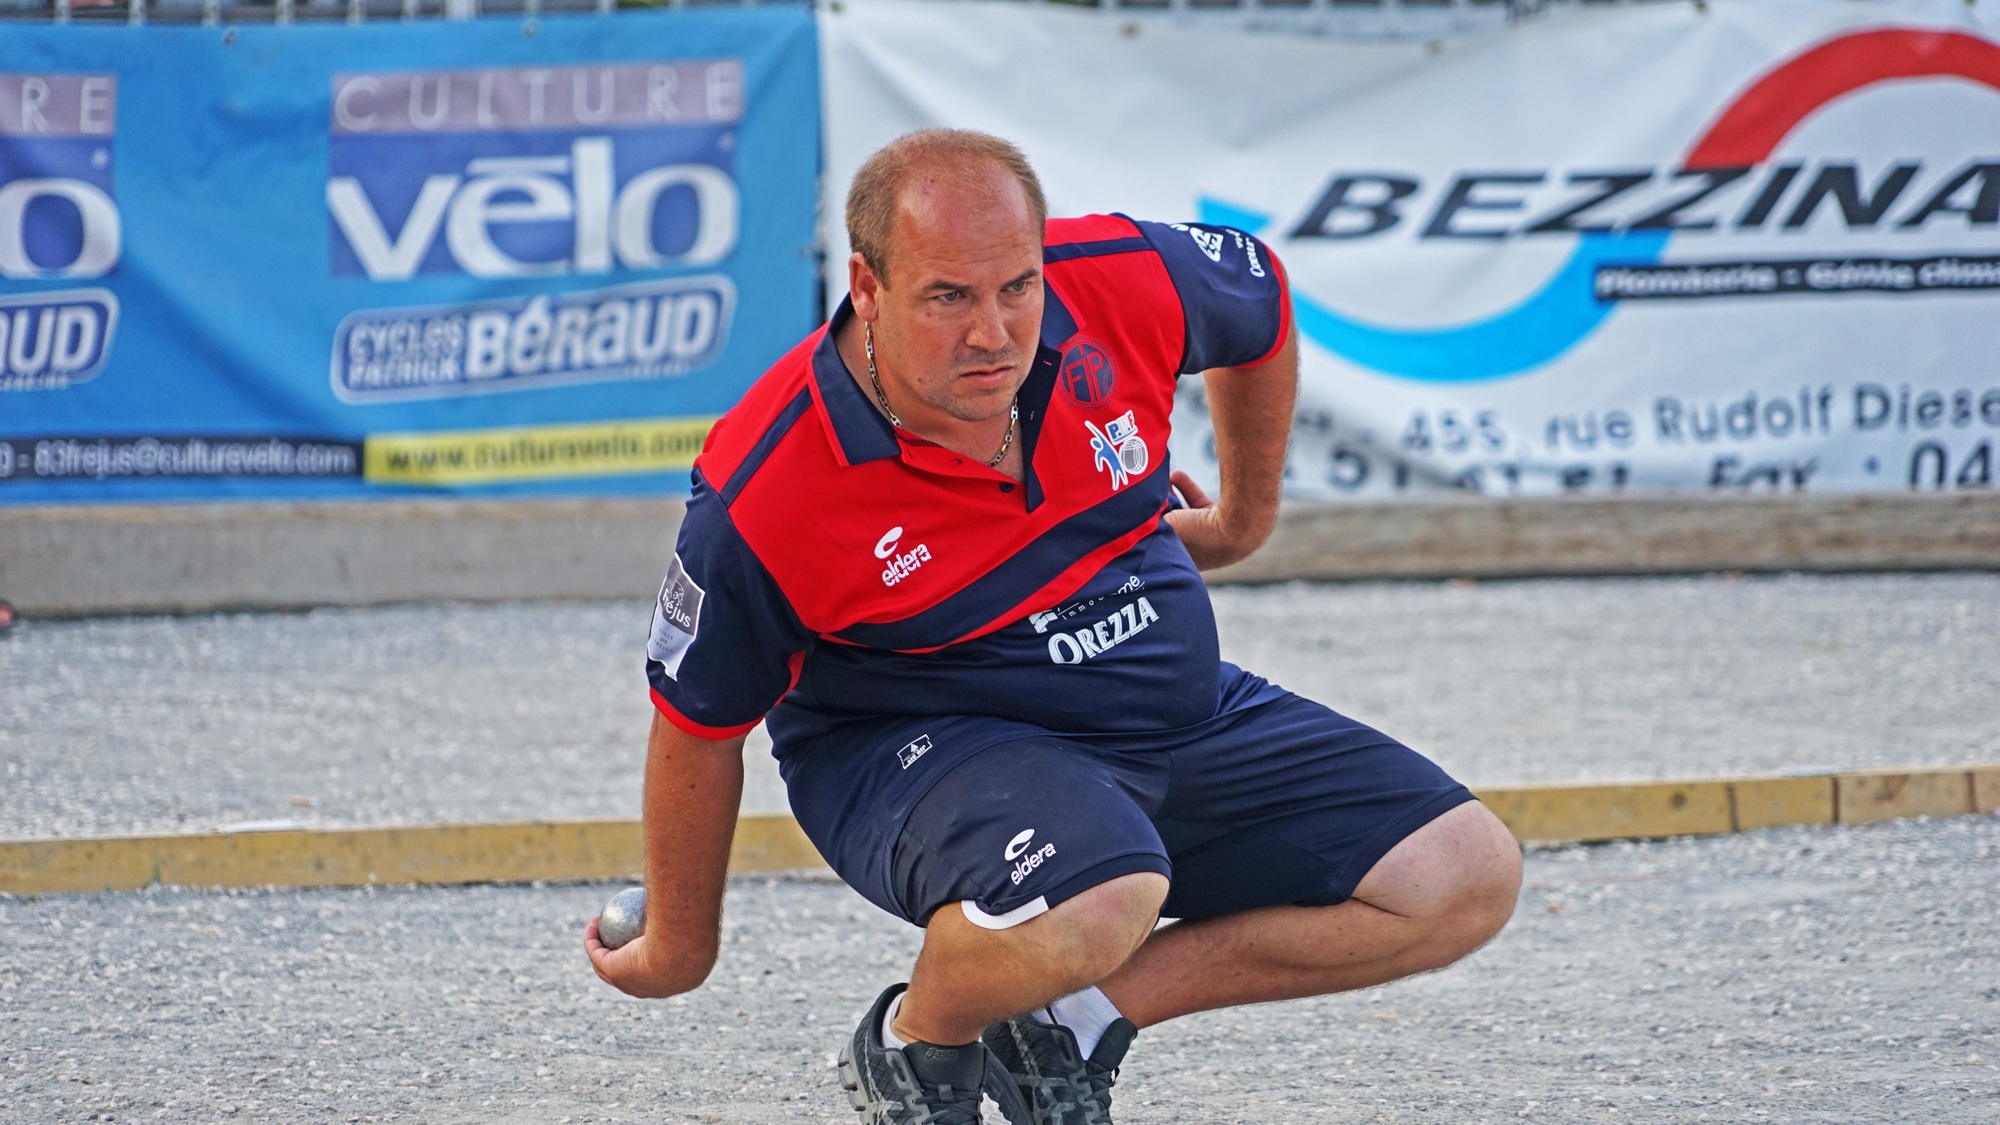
(1986, 789)
(352, 857)
(610, 849)
(1874, 795)
(1768, 802)
(1653, 809)
(1608, 812)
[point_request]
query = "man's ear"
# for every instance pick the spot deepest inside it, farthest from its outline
(864, 287)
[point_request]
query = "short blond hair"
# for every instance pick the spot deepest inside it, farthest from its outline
(957, 154)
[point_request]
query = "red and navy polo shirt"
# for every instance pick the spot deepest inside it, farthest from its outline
(834, 568)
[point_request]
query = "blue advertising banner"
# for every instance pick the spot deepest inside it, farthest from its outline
(484, 258)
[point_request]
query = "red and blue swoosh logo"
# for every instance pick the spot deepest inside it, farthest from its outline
(1565, 310)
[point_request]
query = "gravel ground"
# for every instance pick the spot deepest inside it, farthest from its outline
(1795, 975)
(516, 712)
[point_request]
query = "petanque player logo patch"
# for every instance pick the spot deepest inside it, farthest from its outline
(676, 619)
(1119, 449)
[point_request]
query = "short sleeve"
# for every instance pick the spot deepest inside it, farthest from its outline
(1232, 290)
(724, 644)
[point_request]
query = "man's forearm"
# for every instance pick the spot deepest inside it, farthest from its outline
(1251, 411)
(693, 788)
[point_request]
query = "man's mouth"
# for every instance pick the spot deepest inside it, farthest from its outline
(986, 378)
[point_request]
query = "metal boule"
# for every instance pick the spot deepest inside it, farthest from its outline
(624, 917)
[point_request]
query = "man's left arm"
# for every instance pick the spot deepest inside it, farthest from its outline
(1237, 331)
(1251, 410)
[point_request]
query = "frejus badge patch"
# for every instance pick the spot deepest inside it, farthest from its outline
(676, 619)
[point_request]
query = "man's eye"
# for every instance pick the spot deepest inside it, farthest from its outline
(951, 297)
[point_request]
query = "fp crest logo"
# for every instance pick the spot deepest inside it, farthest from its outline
(1086, 376)
(1119, 449)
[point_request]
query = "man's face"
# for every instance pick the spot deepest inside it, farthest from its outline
(957, 328)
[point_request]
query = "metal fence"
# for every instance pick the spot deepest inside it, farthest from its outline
(349, 11)
(1360, 18)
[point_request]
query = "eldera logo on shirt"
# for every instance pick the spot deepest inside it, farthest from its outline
(1129, 621)
(1017, 849)
(901, 565)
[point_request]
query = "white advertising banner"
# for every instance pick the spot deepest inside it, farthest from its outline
(1748, 247)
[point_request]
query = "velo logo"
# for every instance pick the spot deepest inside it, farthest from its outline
(534, 171)
(58, 220)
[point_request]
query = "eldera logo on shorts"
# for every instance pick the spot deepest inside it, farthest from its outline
(534, 173)
(1017, 849)
(58, 220)
(1127, 622)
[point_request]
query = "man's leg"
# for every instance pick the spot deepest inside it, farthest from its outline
(1435, 897)
(968, 976)
(1034, 872)
(1291, 804)
(1441, 893)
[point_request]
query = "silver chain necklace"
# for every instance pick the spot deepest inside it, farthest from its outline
(1013, 408)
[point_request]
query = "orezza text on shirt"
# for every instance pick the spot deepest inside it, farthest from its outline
(1126, 622)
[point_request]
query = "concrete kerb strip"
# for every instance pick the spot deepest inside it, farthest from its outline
(196, 558)
(353, 857)
(1657, 809)
(610, 849)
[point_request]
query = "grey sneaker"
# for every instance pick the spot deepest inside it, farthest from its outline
(1060, 1086)
(921, 1084)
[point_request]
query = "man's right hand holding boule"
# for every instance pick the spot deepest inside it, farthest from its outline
(693, 787)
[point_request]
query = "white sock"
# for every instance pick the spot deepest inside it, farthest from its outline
(1087, 1014)
(889, 1038)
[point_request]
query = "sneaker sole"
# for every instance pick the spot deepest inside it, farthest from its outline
(850, 1080)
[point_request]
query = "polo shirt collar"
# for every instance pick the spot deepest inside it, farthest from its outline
(863, 433)
(1057, 324)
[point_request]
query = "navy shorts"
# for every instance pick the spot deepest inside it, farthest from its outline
(1284, 801)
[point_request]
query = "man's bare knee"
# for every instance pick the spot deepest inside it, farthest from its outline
(1095, 931)
(1491, 885)
(1482, 898)
(1459, 876)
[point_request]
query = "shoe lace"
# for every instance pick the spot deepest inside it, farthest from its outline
(949, 1106)
(1097, 1104)
(1093, 1095)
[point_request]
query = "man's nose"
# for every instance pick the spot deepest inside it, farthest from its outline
(988, 330)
